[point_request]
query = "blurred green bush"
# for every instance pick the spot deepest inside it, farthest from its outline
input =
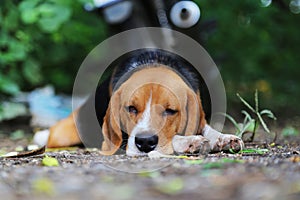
(255, 45)
(44, 42)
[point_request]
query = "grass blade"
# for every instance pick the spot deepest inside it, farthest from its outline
(247, 116)
(259, 151)
(256, 100)
(263, 123)
(246, 126)
(245, 103)
(232, 121)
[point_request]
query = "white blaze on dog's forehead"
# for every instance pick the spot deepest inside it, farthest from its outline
(146, 117)
(142, 125)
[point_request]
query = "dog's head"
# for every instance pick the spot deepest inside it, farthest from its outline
(151, 106)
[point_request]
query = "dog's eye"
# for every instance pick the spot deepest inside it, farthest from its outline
(132, 109)
(169, 112)
(185, 14)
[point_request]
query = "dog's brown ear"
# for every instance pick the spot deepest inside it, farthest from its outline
(111, 126)
(193, 116)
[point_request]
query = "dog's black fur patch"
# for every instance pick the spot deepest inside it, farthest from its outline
(145, 58)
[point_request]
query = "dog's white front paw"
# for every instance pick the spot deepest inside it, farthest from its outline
(227, 142)
(190, 144)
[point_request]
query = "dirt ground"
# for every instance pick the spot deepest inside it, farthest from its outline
(85, 174)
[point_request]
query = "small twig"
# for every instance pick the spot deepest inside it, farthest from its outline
(25, 153)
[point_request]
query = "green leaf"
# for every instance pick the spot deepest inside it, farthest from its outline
(229, 160)
(28, 4)
(7, 86)
(153, 174)
(9, 110)
(29, 13)
(53, 16)
(48, 25)
(17, 135)
(16, 50)
(171, 187)
(247, 116)
(250, 126)
(259, 151)
(43, 186)
(213, 165)
(11, 20)
(50, 162)
(194, 162)
(31, 71)
(289, 131)
(47, 10)
(2, 152)
(22, 36)
(63, 13)
(30, 16)
(268, 113)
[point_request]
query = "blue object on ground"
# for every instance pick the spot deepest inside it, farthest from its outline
(47, 108)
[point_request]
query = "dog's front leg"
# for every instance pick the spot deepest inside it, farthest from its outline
(191, 144)
(222, 142)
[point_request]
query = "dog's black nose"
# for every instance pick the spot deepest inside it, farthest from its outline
(146, 142)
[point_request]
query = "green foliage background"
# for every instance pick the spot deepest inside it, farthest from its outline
(257, 47)
(45, 41)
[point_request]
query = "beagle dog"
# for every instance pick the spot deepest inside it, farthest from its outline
(152, 97)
